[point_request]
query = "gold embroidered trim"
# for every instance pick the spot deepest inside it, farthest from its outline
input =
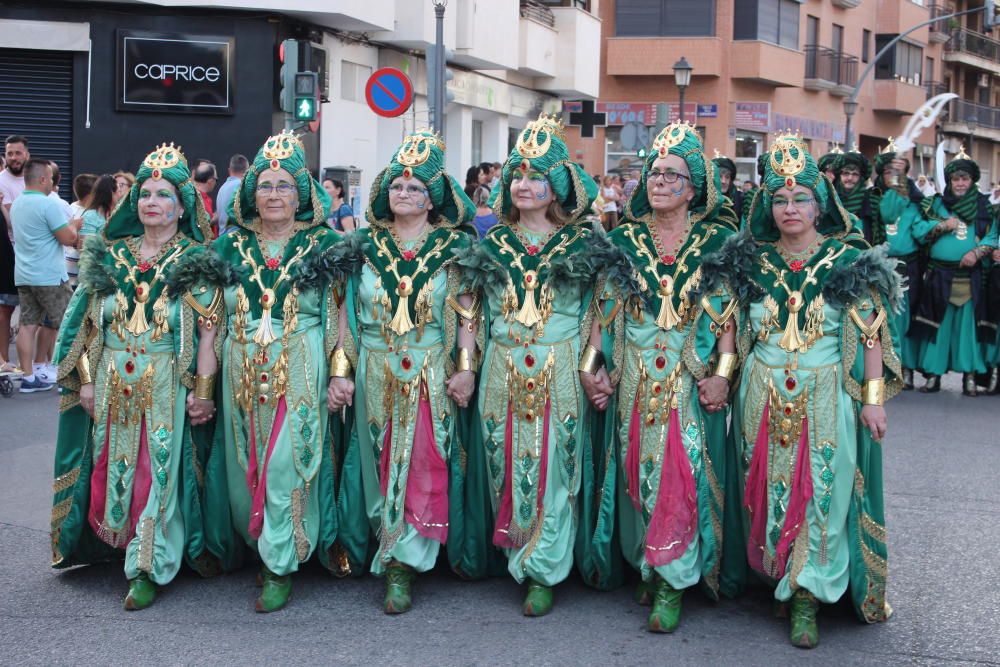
(302, 546)
(147, 530)
(873, 528)
(67, 481)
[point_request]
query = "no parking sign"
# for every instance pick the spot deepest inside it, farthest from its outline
(389, 92)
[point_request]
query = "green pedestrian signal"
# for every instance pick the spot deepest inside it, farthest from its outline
(305, 108)
(641, 153)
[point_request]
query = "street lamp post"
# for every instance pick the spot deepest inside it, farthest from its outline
(682, 77)
(850, 108)
(439, 65)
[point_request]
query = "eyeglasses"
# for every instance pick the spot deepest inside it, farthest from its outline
(410, 190)
(669, 176)
(799, 202)
(283, 189)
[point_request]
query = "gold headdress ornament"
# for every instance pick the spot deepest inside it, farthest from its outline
(163, 157)
(962, 155)
(416, 149)
(280, 147)
(855, 148)
(718, 155)
(672, 135)
(836, 150)
(788, 157)
(890, 147)
(530, 147)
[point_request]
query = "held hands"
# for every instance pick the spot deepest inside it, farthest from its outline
(969, 259)
(713, 393)
(87, 398)
(950, 225)
(339, 394)
(460, 386)
(873, 416)
(199, 410)
(597, 387)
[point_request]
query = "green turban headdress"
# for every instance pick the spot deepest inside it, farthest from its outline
(790, 164)
(281, 151)
(683, 140)
(166, 162)
(962, 162)
(887, 155)
(854, 158)
(421, 156)
(829, 161)
(541, 147)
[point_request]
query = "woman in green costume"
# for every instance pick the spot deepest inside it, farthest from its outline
(961, 229)
(138, 336)
(669, 332)
(536, 281)
(408, 329)
(274, 365)
(818, 361)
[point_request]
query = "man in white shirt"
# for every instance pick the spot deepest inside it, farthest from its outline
(12, 177)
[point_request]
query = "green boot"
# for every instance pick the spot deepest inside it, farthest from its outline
(538, 601)
(644, 593)
(275, 593)
(805, 632)
(398, 583)
(666, 614)
(141, 593)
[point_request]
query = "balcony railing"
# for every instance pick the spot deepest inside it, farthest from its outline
(939, 29)
(961, 111)
(935, 88)
(825, 64)
(538, 11)
(974, 43)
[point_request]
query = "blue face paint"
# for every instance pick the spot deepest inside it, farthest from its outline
(421, 204)
(544, 194)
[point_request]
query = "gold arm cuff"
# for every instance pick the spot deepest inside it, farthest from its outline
(726, 366)
(592, 360)
(83, 369)
(340, 365)
(204, 387)
(466, 361)
(874, 392)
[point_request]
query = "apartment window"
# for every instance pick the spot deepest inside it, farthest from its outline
(866, 41)
(929, 69)
(904, 62)
(812, 30)
(837, 41)
(665, 18)
(775, 21)
(352, 80)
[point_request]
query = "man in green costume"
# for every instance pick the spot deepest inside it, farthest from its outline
(138, 336)
(951, 322)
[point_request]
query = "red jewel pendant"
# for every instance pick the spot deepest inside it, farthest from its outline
(796, 265)
(532, 249)
(668, 259)
(790, 383)
(145, 266)
(528, 279)
(129, 367)
(661, 363)
(406, 363)
(273, 263)
(529, 360)
(409, 255)
(792, 301)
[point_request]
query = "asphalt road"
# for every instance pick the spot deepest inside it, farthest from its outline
(943, 506)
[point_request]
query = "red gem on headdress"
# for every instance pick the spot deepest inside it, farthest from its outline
(668, 259)
(273, 263)
(796, 266)
(156, 174)
(275, 164)
(407, 172)
(525, 165)
(532, 249)
(790, 182)
(409, 255)
(145, 266)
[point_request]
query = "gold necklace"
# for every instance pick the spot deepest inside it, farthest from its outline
(668, 258)
(415, 243)
(797, 260)
(522, 232)
(272, 262)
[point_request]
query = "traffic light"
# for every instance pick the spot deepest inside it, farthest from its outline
(432, 78)
(641, 153)
(990, 18)
(288, 53)
(306, 85)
